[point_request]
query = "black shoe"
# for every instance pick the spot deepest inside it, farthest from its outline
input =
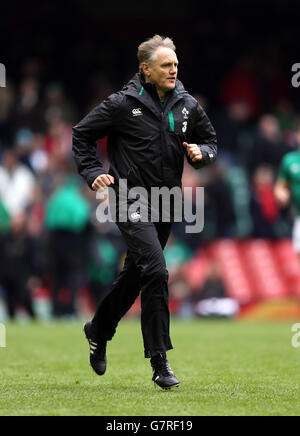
(97, 350)
(163, 375)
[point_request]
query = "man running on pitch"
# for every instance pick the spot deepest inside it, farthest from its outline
(151, 124)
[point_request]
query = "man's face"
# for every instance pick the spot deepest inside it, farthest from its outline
(163, 70)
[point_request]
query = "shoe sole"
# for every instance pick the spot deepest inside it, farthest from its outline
(166, 388)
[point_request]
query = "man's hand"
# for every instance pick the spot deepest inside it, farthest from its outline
(193, 151)
(103, 182)
(282, 193)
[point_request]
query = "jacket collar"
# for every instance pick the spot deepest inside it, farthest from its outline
(146, 93)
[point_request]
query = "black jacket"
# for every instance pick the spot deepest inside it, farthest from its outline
(144, 138)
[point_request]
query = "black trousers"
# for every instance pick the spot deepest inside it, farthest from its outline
(144, 270)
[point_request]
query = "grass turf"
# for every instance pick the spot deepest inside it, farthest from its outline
(225, 368)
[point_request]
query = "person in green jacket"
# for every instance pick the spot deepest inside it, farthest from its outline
(287, 187)
(67, 215)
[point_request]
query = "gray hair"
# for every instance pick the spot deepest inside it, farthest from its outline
(147, 48)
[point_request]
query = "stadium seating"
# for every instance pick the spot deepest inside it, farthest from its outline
(254, 270)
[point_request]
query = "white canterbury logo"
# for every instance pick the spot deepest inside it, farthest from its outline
(136, 112)
(135, 216)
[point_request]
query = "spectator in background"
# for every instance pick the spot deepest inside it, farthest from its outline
(264, 208)
(16, 256)
(274, 87)
(219, 203)
(58, 139)
(67, 215)
(38, 158)
(57, 105)
(241, 85)
(230, 125)
(16, 183)
(190, 179)
(27, 111)
(103, 254)
(268, 146)
(36, 232)
(286, 116)
(213, 299)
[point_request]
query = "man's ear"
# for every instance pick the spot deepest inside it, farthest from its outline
(145, 69)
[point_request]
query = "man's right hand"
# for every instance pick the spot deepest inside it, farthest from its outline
(103, 181)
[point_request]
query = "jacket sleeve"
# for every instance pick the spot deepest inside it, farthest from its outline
(205, 137)
(97, 124)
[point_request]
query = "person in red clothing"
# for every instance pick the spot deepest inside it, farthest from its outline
(264, 208)
(241, 85)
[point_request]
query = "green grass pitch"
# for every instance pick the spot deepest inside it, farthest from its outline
(225, 368)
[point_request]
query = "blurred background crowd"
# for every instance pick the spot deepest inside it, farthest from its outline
(62, 60)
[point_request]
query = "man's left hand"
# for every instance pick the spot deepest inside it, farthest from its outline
(193, 151)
